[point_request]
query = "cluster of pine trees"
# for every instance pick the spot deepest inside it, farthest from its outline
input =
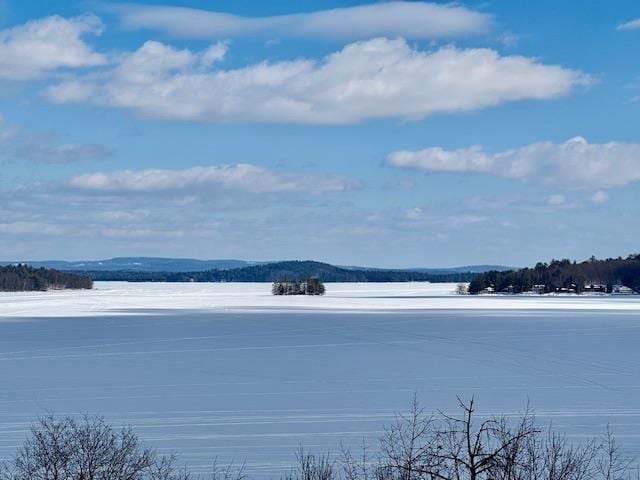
(563, 275)
(310, 286)
(17, 278)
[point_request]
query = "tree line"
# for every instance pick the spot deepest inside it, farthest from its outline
(16, 278)
(563, 275)
(293, 270)
(416, 446)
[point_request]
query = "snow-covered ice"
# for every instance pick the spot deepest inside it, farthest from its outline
(111, 298)
(228, 371)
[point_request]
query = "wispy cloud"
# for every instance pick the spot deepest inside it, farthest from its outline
(17, 143)
(556, 200)
(242, 177)
(46, 45)
(378, 78)
(241, 208)
(7, 132)
(630, 25)
(392, 19)
(44, 149)
(38, 228)
(575, 163)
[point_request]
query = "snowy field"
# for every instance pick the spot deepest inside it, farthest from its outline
(228, 371)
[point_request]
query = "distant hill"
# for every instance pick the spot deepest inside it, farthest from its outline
(289, 270)
(465, 269)
(140, 264)
(438, 271)
(177, 265)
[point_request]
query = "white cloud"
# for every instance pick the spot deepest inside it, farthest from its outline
(575, 163)
(600, 197)
(631, 25)
(378, 78)
(392, 19)
(45, 45)
(242, 177)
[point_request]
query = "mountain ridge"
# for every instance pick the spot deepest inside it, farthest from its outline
(295, 270)
(181, 265)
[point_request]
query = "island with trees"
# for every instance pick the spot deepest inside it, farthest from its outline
(20, 278)
(310, 286)
(612, 275)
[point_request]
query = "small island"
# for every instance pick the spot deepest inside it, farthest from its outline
(24, 278)
(310, 286)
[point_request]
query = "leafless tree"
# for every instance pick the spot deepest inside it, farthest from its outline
(357, 467)
(610, 463)
(86, 449)
(312, 467)
(229, 471)
(416, 446)
(408, 445)
(423, 447)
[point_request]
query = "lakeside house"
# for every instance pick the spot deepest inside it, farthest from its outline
(539, 289)
(595, 288)
(570, 289)
(536, 290)
(620, 289)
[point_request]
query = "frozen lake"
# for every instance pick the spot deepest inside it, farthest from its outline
(208, 370)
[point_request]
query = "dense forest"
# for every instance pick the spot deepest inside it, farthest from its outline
(564, 276)
(292, 270)
(17, 278)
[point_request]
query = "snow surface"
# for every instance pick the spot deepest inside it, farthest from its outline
(228, 371)
(110, 298)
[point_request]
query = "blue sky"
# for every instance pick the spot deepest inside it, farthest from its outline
(393, 134)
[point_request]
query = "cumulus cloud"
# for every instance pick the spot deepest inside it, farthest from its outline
(45, 45)
(242, 177)
(630, 25)
(392, 19)
(575, 163)
(377, 78)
